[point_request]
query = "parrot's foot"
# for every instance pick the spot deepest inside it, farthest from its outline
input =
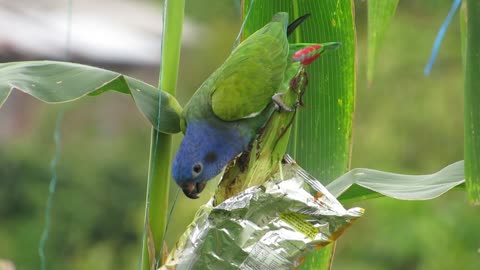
(280, 104)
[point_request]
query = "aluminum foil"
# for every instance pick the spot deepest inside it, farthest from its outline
(268, 227)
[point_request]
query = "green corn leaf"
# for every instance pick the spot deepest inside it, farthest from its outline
(360, 184)
(380, 13)
(472, 100)
(57, 82)
(320, 138)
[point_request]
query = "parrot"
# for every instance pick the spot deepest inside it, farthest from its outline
(227, 111)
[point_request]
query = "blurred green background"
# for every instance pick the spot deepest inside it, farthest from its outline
(405, 122)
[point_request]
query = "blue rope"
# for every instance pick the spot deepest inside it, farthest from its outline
(51, 189)
(440, 36)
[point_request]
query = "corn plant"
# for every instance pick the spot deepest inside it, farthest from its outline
(321, 137)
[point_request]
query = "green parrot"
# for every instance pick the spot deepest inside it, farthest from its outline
(227, 111)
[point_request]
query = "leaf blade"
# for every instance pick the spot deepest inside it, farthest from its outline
(472, 99)
(58, 82)
(372, 183)
(321, 136)
(380, 13)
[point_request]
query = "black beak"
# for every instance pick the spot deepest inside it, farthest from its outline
(192, 190)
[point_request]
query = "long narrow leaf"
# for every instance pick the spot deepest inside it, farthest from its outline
(320, 139)
(322, 132)
(371, 183)
(380, 13)
(472, 101)
(57, 82)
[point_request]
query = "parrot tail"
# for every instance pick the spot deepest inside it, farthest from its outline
(291, 27)
(311, 52)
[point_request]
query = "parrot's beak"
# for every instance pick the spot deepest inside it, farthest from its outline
(192, 190)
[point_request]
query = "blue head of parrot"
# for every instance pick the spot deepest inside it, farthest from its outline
(204, 152)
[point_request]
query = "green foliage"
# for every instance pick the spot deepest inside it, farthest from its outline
(472, 101)
(405, 123)
(380, 13)
(320, 139)
(371, 184)
(56, 82)
(159, 176)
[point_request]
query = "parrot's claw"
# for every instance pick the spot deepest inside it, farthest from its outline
(280, 104)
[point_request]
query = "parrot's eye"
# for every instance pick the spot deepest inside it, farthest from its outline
(197, 169)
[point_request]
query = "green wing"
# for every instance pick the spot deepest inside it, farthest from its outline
(246, 82)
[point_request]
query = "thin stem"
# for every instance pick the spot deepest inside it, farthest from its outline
(161, 144)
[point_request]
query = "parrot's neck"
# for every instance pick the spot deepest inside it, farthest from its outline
(211, 144)
(228, 139)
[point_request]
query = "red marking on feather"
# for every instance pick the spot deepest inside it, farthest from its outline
(309, 60)
(307, 55)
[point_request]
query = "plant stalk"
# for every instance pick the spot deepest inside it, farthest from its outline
(472, 99)
(161, 144)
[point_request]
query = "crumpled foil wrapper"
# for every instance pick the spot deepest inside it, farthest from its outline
(268, 227)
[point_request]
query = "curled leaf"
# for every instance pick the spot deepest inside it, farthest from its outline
(371, 183)
(58, 82)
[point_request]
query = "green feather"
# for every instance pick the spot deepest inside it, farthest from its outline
(253, 73)
(244, 85)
